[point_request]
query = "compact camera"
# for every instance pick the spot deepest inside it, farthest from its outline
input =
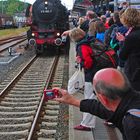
(50, 94)
(64, 39)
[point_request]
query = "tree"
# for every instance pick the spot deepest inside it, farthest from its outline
(3, 6)
(11, 7)
(14, 6)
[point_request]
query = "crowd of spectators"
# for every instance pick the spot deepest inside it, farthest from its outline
(117, 90)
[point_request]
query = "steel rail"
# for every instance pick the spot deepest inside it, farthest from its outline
(8, 87)
(5, 48)
(11, 38)
(42, 99)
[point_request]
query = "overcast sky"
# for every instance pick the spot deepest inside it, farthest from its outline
(67, 3)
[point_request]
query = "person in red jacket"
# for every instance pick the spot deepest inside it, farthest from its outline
(84, 57)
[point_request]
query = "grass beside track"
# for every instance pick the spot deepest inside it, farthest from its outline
(12, 32)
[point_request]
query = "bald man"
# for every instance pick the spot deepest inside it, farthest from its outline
(118, 103)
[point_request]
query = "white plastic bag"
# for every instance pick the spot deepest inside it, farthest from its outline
(76, 82)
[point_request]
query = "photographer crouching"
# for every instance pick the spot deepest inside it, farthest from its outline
(117, 102)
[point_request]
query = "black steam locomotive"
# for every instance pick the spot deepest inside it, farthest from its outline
(49, 19)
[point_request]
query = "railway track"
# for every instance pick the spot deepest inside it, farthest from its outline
(46, 127)
(11, 43)
(20, 99)
(10, 39)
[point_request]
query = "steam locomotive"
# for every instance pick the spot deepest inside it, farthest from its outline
(49, 19)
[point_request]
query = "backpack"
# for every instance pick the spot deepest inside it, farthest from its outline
(103, 56)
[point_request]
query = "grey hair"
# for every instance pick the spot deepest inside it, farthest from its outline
(111, 91)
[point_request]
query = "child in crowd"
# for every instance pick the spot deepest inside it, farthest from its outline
(84, 57)
(100, 30)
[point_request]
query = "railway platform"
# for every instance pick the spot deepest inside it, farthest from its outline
(101, 131)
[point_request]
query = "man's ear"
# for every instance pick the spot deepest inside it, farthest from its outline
(103, 99)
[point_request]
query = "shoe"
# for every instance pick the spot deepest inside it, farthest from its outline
(82, 128)
(109, 124)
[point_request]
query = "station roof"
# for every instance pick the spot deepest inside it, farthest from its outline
(82, 5)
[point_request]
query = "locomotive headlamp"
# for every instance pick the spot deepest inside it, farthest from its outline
(58, 34)
(33, 34)
(46, 2)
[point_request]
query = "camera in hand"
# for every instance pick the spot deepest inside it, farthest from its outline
(64, 38)
(50, 94)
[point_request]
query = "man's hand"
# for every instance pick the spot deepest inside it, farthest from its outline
(64, 97)
(66, 33)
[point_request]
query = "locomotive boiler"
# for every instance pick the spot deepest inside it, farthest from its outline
(49, 19)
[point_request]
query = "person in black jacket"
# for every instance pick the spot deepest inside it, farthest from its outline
(118, 103)
(130, 50)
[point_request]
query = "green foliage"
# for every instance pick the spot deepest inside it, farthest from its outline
(11, 7)
(4, 4)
